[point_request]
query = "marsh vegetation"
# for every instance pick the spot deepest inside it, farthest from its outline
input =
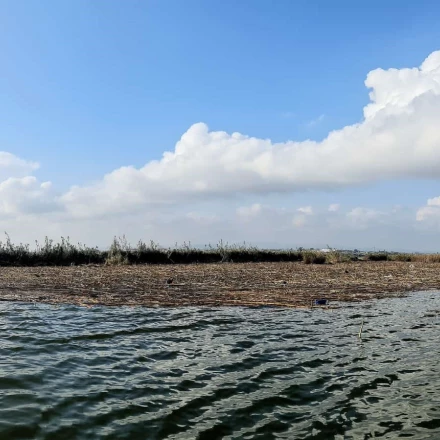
(121, 252)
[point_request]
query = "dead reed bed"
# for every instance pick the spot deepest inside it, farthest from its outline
(223, 284)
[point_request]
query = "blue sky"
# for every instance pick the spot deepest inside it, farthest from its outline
(90, 86)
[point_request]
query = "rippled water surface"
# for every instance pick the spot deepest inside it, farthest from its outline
(233, 373)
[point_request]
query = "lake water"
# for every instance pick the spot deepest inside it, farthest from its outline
(226, 373)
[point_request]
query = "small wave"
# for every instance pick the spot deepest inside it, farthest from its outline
(207, 373)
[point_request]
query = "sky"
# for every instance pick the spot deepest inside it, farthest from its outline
(275, 123)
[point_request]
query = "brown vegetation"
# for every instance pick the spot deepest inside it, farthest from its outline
(222, 284)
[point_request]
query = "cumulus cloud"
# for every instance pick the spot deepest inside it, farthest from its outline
(398, 138)
(430, 212)
(13, 166)
(26, 196)
(20, 192)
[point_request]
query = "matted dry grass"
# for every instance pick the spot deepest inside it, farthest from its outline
(227, 284)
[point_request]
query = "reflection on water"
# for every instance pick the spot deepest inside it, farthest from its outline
(233, 373)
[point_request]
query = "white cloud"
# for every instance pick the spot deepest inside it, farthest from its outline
(434, 201)
(26, 196)
(20, 192)
(395, 91)
(398, 138)
(334, 207)
(13, 166)
(308, 210)
(430, 212)
(268, 227)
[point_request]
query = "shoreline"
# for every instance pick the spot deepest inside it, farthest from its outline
(223, 284)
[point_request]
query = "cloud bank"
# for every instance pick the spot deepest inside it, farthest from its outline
(398, 138)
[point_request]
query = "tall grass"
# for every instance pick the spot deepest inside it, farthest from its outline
(64, 253)
(122, 253)
(48, 253)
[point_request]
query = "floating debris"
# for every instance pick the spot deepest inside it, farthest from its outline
(250, 284)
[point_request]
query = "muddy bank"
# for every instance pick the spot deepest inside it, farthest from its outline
(253, 284)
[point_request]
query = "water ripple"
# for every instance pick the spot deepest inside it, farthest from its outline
(227, 373)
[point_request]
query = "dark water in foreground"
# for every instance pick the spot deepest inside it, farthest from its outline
(131, 373)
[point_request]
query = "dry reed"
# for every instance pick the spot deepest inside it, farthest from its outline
(231, 284)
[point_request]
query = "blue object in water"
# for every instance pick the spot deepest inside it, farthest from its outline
(321, 302)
